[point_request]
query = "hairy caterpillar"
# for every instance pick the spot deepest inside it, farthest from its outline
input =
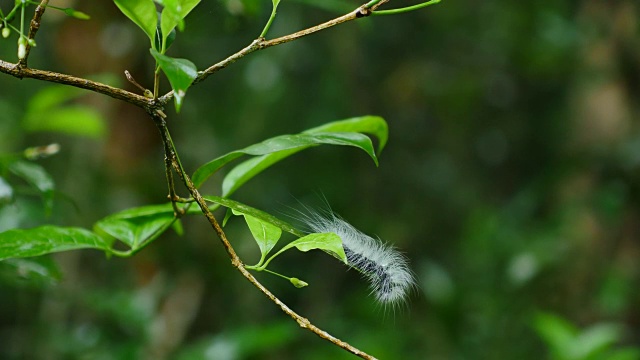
(385, 268)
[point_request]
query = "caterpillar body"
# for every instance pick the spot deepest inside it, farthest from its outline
(386, 269)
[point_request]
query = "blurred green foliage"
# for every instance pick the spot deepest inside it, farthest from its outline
(511, 181)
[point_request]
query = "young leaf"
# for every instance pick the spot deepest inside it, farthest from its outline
(167, 41)
(265, 234)
(259, 214)
(173, 13)
(374, 125)
(18, 243)
(142, 13)
(180, 72)
(281, 147)
(138, 226)
(245, 171)
(327, 242)
(242, 173)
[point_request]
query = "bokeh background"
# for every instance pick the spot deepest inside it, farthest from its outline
(511, 181)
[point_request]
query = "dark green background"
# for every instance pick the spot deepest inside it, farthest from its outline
(510, 181)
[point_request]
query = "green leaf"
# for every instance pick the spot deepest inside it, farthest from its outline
(374, 125)
(72, 120)
(259, 214)
(36, 176)
(142, 13)
(167, 41)
(76, 14)
(137, 226)
(18, 243)
(180, 72)
(265, 234)
(173, 13)
(327, 242)
(280, 147)
(245, 171)
(274, 151)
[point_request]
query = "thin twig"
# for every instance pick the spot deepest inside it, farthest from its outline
(146, 92)
(235, 260)
(405, 9)
(168, 167)
(33, 29)
(116, 93)
(262, 43)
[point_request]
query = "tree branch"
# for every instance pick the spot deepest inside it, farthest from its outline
(262, 43)
(303, 322)
(116, 93)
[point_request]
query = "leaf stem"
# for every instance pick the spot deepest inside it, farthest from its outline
(12, 13)
(371, 3)
(156, 81)
(263, 34)
(404, 9)
(50, 6)
(276, 274)
(284, 248)
(22, 20)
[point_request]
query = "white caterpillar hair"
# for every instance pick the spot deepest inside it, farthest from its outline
(386, 269)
